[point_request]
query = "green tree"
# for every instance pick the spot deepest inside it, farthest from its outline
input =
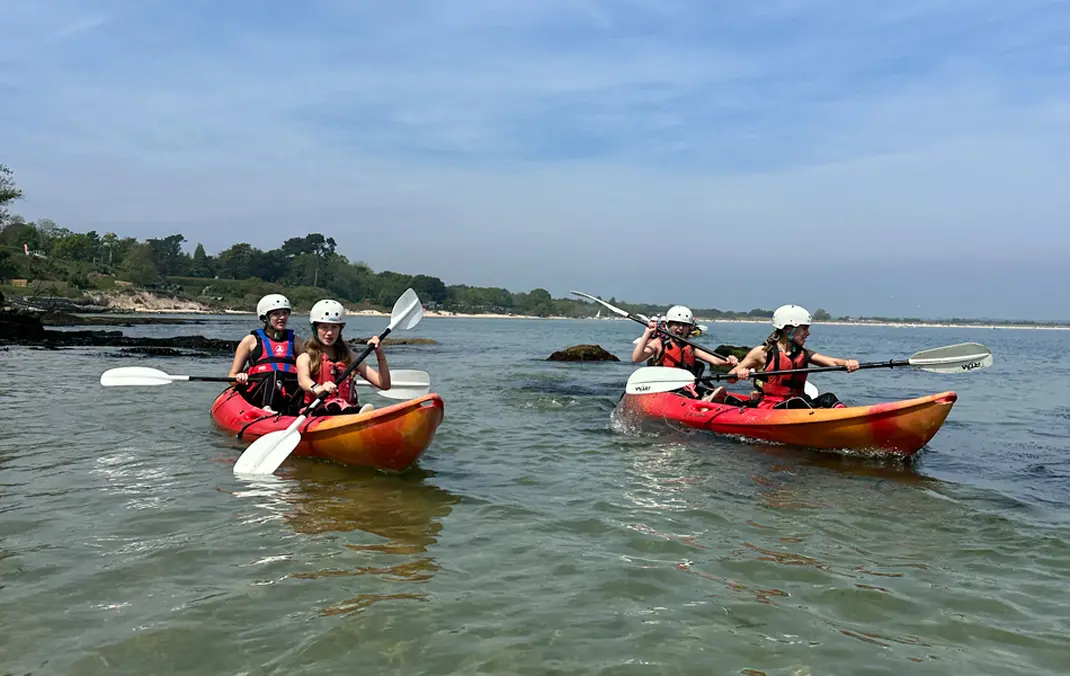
(821, 315)
(168, 256)
(201, 265)
(429, 289)
(139, 266)
(237, 261)
(76, 246)
(108, 244)
(9, 192)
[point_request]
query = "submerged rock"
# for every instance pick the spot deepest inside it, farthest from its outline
(358, 343)
(25, 328)
(66, 319)
(738, 351)
(582, 353)
(20, 327)
(153, 352)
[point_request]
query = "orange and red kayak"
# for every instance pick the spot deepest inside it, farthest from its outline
(898, 427)
(390, 438)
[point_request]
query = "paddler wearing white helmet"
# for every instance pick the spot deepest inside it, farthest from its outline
(269, 352)
(326, 358)
(783, 350)
(661, 350)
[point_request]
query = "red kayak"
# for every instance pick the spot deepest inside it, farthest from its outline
(391, 438)
(898, 427)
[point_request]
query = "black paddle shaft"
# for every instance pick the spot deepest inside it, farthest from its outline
(816, 369)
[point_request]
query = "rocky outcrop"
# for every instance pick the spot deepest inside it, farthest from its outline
(582, 353)
(360, 343)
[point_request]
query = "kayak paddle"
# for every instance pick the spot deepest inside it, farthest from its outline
(404, 384)
(269, 451)
(640, 320)
(142, 376)
(657, 379)
(959, 358)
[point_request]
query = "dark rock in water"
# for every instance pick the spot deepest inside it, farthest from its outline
(20, 327)
(152, 352)
(733, 350)
(66, 319)
(358, 343)
(582, 353)
(736, 351)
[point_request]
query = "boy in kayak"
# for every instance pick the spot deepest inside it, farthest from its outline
(327, 356)
(668, 351)
(271, 354)
(783, 350)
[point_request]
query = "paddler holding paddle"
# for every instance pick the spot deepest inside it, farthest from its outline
(664, 350)
(784, 350)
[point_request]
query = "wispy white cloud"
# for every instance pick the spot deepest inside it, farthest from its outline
(513, 136)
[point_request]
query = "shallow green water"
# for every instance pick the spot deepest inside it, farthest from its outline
(536, 536)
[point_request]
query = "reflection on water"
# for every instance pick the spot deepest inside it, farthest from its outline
(402, 512)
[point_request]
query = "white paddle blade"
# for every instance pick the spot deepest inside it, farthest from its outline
(961, 358)
(611, 308)
(403, 393)
(402, 378)
(811, 390)
(404, 385)
(407, 311)
(655, 379)
(137, 376)
(269, 451)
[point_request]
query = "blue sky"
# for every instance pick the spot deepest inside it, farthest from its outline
(905, 157)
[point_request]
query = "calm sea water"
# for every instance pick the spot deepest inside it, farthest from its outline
(535, 537)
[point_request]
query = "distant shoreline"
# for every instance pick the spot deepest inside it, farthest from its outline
(492, 315)
(149, 303)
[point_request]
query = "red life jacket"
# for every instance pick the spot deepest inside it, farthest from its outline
(675, 355)
(346, 395)
(272, 355)
(776, 389)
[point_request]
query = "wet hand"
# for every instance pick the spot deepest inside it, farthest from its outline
(852, 365)
(242, 378)
(325, 388)
(374, 342)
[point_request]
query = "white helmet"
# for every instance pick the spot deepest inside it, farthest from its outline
(271, 302)
(328, 312)
(791, 315)
(681, 314)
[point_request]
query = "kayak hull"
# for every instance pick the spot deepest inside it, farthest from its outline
(898, 427)
(389, 438)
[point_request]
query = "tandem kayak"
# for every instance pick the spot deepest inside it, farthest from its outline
(390, 438)
(898, 427)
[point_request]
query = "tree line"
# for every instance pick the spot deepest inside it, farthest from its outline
(307, 268)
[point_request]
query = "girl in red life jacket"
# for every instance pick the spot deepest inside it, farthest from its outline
(270, 355)
(327, 356)
(659, 350)
(783, 350)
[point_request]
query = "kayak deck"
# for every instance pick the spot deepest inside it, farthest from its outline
(389, 438)
(898, 427)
